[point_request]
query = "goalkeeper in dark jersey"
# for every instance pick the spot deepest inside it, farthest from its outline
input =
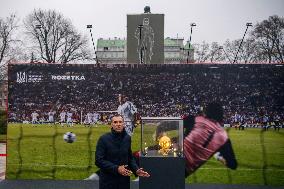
(206, 137)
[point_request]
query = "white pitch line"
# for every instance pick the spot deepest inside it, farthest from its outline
(48, 165)
(242, 169)
(74, 166)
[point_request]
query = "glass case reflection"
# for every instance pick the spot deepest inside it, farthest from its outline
(162, 136)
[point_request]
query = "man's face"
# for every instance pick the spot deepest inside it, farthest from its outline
(122, 99)
(117, 123)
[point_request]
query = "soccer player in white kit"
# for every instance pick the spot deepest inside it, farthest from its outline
(89, 118)
(127, 110)
(62, 116)
(96, 117)
(51, 116)
(34, 117)
(69, 118)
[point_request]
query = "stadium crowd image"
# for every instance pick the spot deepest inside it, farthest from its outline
(46, 101)
(250, 94)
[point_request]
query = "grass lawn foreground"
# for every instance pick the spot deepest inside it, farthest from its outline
(39, 152)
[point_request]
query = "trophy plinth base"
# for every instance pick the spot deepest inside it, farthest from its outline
(166, 172)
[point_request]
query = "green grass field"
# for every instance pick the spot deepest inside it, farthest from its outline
(3, 138)
(41, 153)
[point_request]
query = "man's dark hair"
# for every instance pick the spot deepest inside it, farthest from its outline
(116, 115)
(214, 111)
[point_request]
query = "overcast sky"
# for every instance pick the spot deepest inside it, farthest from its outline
(217, 20)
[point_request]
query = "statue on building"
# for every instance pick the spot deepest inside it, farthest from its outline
(145, 41)
(147, 9)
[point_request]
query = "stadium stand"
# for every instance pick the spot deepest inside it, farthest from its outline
(249, 93)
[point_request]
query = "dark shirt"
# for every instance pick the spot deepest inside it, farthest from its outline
(204, 138)
(228, 154)
(114, 149)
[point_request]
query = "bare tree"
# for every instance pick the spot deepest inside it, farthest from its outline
(270, 37)
(231, 47)
(201, 52)
(249, 52)
(7, 28)
(215, 52)
(55, 38)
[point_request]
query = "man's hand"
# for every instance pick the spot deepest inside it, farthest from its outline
(123, 171)
(142, 173)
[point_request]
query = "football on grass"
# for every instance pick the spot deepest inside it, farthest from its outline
(69, 137)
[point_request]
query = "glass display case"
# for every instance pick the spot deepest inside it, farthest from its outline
(162, 137)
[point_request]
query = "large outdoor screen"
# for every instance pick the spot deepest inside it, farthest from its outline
(47, 102)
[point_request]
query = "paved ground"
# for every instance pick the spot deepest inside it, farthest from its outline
(51, 184)
(2, 161)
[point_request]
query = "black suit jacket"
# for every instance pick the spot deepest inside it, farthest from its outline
(114, 149)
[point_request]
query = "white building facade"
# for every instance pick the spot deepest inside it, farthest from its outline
(113, 51)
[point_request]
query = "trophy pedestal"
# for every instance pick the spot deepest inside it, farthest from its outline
(166, 172)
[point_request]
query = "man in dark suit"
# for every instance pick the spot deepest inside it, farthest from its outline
(114, 157)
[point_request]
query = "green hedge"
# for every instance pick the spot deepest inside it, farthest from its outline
(3, 122)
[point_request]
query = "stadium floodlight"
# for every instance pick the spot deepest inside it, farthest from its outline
(38, 26)
(248, 24)
(191, 26)
(90, 27)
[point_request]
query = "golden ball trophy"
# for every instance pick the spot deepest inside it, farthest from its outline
(162, 152)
